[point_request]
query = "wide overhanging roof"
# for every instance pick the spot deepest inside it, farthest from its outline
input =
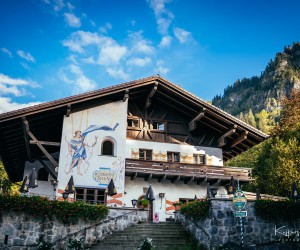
(45, 120)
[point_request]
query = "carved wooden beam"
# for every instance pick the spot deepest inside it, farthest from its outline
(133, 176)
(49, 169)
(189, 180)
(68, 110)
(176, 179)
(222, 140)
(149, 177)
(26, 137)
(239, 139)
(40, 146)
(162, 178)
(193, 124)
(49, 143)
(126, 95)
(151, 94)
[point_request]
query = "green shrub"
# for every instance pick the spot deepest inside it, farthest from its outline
(198, 209)
(274, 210)
(63, 211)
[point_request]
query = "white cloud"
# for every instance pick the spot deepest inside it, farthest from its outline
(70, 6)
(117, 73)
(25, 65)
(160, 69)
(164, 17)
(182, 35)
(74, 75)
(89, 60)
(26, 56)
(141, 45)
(14, 86)
(140, 62)
(7, 52)
(58, 5)
(111, 54)
(165, 41)
(72, 20)
(6, 104)
(105, 28)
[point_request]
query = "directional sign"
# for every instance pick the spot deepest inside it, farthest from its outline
(239, 200)
(240, 213)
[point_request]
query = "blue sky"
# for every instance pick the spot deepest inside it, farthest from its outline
(51, 49)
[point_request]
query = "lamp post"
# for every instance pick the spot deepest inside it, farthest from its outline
(54, 184)
(134, 202)
(213, 191)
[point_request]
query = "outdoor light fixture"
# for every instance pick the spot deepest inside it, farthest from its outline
(213, 191)
(161, 195)
(65, 195)
(134, 202)
(54, 184)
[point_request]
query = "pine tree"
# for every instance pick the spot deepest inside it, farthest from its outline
(251, 119)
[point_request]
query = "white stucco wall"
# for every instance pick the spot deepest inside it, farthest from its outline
(213, 154)
(173, 192)
(96, 170)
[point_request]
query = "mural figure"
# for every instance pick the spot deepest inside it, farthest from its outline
(77, 146)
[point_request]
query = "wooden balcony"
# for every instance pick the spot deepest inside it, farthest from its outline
(185, 172)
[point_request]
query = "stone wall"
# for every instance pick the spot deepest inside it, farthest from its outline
(222, 228)
(24, 231)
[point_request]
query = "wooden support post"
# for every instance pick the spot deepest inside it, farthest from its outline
(49, 169)
(68, 110)
(162, 178)
(49, 143)
(40, 146)
(151, 94)
(189, 180)
(193, 124)
(239, 139)
(26, 138)
(126, 95)
(222, 140)
(176, 179)
(149, 177)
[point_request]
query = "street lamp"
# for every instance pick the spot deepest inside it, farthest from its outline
(134, 202)
(65, 195)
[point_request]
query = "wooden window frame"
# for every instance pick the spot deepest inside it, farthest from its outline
(173, 156)
(97, 192)
(198, 159)
(145, 154)
(158, 123)
(133, 120)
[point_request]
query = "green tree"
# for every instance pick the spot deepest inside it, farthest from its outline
(6, 186)
(251, 119)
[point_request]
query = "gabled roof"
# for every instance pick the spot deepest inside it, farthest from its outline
(45, 120)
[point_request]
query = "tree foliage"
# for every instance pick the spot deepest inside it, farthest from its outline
(276, 162)
(6, 186)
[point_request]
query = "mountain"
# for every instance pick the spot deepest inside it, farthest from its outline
(257, 100)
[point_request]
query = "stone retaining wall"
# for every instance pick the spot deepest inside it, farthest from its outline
(24, 231)
(222, 228)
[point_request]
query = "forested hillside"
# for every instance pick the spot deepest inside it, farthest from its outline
(257, 100)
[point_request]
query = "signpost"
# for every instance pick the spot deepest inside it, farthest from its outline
(239, 201)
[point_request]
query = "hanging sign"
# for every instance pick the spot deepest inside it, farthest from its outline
(239, 200)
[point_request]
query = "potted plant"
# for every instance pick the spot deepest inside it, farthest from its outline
(177, 205)
(144, 203)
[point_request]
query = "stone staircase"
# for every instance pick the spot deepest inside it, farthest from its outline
(164, 235)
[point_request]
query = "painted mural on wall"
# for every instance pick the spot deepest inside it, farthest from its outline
(81, 153)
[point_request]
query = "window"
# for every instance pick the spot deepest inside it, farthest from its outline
(133, 123)
(107, 147)
(91, 196)
(158, 126)
(173, 157)
(186, 200)
(145, 154)
(198, 159)
(43, 175)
